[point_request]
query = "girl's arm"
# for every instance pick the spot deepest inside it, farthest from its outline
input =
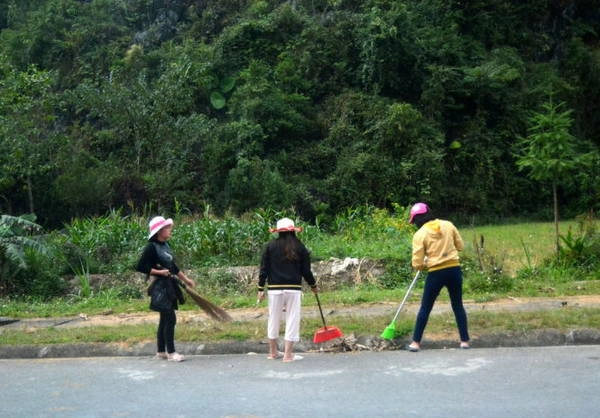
(186, 279)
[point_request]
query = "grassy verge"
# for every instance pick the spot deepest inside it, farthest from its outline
(517, 246)
(479, 322)
(100, 304)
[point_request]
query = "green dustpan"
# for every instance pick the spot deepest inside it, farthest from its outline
(389, 333)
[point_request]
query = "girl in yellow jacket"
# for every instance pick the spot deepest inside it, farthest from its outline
(435, 247)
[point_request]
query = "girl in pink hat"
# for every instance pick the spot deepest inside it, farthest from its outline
(157, 261)
(285, 261)
(435, 247)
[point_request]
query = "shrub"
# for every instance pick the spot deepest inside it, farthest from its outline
(397, 273)
(484, 273)
(480, 282)
(25, 258)
(581, 247)
(101, 244)
(220, 283)
(40, 279)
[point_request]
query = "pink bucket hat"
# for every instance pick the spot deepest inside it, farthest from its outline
(156, 224)
(418, 209)
(286, 225)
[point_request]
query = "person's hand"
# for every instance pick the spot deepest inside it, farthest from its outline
(191, 283)
(260, 296)
(164, 272)
(315, 289)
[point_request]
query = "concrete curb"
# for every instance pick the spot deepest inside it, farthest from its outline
(537, 338)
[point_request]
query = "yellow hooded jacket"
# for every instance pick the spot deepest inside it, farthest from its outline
(440, 242)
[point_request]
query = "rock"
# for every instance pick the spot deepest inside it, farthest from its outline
(330, 274)
(340, 266)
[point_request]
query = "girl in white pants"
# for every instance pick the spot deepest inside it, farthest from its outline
(285, 262)
(291, 300)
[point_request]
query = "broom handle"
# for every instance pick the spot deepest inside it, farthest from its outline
(320, 310)
(407, 294)
(179, 281)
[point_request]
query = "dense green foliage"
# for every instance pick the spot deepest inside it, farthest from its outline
(316, 105)
(25, 259)
(112, 244)
(40, 266)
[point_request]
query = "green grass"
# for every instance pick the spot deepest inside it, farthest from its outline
(68, 306)
(523, 249)
(101, 304)
(511, 242)
(442, 324)
(103, 334)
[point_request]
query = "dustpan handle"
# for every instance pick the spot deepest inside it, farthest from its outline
(320, 309)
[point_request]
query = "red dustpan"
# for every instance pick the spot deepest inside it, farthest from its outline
(325, 333)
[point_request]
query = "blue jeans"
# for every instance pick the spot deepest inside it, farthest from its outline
(450, 278)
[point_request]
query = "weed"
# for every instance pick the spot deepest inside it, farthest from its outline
(484, 273)
(83, 277)
(582, 247)
(397, 272)
(482, 283)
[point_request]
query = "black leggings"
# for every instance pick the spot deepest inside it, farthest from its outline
(165, 336)
(436, 280)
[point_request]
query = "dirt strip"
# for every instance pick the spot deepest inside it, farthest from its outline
(361, 310)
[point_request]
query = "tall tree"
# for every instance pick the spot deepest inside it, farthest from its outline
(26, 128)
(549, 153)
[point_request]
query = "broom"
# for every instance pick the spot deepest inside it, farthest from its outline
(389, 333)
(210, 308)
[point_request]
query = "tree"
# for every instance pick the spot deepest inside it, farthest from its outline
(26, 128)
(549, 152)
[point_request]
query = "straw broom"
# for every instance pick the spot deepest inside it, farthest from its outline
(210, 308)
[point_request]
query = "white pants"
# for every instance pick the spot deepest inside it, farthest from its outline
(291, 300)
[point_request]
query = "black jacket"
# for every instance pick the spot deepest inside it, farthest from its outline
(158, 255)
(282, 273)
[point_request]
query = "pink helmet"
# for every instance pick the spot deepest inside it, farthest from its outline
(418, 209)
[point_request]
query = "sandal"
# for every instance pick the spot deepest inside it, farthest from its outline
(175, 357)
(413, 347)
(278, 355)
(295, 358)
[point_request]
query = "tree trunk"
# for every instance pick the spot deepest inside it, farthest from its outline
(30, 194)
(555, 196)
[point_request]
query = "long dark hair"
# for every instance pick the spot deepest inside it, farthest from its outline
(423, 218)
(289, 244)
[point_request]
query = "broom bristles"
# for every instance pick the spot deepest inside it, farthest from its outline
(210, 308)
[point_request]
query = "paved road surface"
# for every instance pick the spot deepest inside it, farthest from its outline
(515, 382)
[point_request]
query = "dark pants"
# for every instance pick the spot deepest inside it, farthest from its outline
(450, 278)
(165, 335)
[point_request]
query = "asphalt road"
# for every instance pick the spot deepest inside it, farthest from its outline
(504, 382)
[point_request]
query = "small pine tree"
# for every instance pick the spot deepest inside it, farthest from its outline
(549, 152)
